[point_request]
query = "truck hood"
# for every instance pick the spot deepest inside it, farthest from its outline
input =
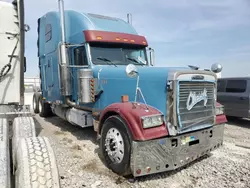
(152, 81)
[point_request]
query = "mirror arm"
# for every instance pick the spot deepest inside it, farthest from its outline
(137, 85)
(24, 64)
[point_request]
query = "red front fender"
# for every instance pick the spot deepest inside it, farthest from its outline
(220, 118)
(132, 116)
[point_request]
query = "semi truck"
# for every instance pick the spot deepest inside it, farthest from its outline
(96, 70)
(26, 160)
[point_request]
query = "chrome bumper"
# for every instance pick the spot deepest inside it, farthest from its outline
(169, 153)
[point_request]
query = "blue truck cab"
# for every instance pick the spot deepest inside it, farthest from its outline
(95, 71)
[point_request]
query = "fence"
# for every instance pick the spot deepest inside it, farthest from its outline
(31, 84)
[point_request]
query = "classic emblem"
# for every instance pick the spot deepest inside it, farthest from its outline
(194, 98)
(198, 77)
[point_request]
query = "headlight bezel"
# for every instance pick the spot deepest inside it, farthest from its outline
(150, 121)
(220, 110)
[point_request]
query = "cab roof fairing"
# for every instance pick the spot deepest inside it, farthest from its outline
(77, 22)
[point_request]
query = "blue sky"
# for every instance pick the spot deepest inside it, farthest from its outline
(181, 32)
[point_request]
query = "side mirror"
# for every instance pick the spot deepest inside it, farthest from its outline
(151, 56)
(131, 70)
(26, 27)
(216, 68)
(24, 64)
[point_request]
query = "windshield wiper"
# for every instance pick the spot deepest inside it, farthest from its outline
(106, 60)
(135, 60)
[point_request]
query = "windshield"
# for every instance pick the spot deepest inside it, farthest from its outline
(112, 54)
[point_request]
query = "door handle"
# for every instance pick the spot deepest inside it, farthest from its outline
(243, 98)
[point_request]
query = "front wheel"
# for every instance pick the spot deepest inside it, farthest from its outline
(44, 108)
(35, 103)
(116, 145)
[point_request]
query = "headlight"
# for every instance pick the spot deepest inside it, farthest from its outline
(152, 121)
(220, 110)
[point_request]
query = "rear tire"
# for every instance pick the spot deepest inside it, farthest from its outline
(36, 102)
(115, 140)
(4, 155)
(44, 109)
(23, 127)
(36, 164)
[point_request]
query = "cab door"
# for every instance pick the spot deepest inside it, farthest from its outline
(79, 59)
(237, 98)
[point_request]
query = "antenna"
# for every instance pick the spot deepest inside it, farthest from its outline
(193, 67)
(129, 18)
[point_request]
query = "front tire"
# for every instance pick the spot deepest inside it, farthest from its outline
(115, 145)
(36, 102)
(44, 108)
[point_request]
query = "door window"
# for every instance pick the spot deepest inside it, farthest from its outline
(236, 86)
(80, 56)
(48, 32)
(221, 84)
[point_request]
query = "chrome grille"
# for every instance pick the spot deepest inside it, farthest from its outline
(197, 114)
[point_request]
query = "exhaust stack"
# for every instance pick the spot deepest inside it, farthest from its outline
(65, 79)
(129, 18)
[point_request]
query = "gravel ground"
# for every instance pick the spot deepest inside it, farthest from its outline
(80, 166)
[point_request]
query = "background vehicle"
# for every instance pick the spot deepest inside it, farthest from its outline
(234, 94)
(94, 71)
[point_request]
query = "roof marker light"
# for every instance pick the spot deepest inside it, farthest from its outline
(132, 40)
(117, 38)
(125, 40)
(99, 38)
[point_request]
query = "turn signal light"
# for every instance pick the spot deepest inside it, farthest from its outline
(138, 171)
(125, 98)
(148, 169)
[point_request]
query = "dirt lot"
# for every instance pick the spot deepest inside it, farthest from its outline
(80, 166)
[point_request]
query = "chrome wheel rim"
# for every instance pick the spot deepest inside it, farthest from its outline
(114, 145)
(40, 106)
(34, 103)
